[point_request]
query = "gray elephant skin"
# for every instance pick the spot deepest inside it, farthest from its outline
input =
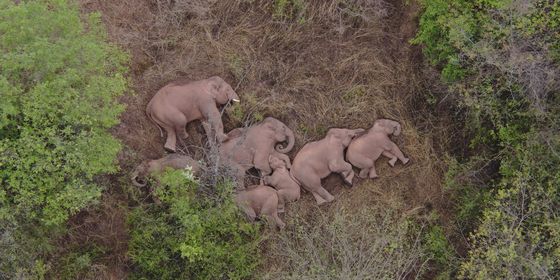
(175, 105)
(366, 149)
(250, 147)
(316, 160)
(260, 201)
(288, 189)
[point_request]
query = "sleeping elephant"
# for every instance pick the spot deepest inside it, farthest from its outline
(288, 189)
(250, 147)
(260, 201)
(366, 149)
(316, 160)
(157, 166)
(174, 105)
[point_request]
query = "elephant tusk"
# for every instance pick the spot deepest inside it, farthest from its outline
(235, 100)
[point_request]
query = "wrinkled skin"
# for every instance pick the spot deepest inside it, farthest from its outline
(260, 201)
(288, 189)
(366, 149)
(316, 160)
(154, 167)
(175, 105)
(250, 147)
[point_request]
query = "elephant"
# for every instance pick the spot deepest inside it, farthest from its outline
(157, 166)
(174, 105)
(366, 149)
(316, 160)
(288, 189)
(250, 147)
(260, 201)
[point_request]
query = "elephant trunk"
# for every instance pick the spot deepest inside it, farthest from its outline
(134, 179)
(291, 141)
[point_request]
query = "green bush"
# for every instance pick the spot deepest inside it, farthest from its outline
(195, 233)
(506, 54)
(58, 84)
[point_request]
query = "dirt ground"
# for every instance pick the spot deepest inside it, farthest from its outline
(327, 64)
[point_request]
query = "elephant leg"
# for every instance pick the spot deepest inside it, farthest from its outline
(364, 173)
(270, 212)
(279, 223)
(397, 152)
(209, 132)
(392, 158)
(373, 173)
(324, 194)
(171, 142)
(363, 163)
(281, 201)
(343, 168)
(318, 198)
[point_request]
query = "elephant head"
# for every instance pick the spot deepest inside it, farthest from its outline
(388, 126)
(222, 91)
(276, 163)
(282, 133)
(139, 175)
(343, 135)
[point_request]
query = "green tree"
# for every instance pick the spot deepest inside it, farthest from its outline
(59, 80)
(507, 54)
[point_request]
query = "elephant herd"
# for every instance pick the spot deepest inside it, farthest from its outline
(260, 146)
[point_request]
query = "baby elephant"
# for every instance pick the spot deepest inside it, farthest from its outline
(288, 189)
(157, 166)
(365, 150)
(316, 160)
(260, 201)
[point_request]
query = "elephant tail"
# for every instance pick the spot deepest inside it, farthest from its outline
(149, 114)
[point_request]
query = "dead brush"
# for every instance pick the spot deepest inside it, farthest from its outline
(373, 242)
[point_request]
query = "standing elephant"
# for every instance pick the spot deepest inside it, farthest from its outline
(366, 149)
(250, 147)
(157, 166)
(174, 105)
(316, 160)
(288, 189)
(260, 201)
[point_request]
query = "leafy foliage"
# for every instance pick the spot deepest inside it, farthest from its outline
(506, 54)
(193, 234)
(58, 83)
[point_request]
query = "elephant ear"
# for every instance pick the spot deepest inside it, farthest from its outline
(216, 85)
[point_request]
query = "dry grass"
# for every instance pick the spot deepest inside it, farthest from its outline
(372, 242)
(314, 65)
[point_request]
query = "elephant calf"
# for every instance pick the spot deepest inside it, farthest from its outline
(366, 149)
(260, 201)
(316, 160)
(288, 189)
(157, 166)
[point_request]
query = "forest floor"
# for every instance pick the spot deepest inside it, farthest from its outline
(313, 67)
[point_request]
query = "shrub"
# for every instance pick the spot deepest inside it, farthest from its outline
(194, 234)
(507, 52)
(58, 83)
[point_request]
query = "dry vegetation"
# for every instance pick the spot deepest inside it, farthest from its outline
(311, 64)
